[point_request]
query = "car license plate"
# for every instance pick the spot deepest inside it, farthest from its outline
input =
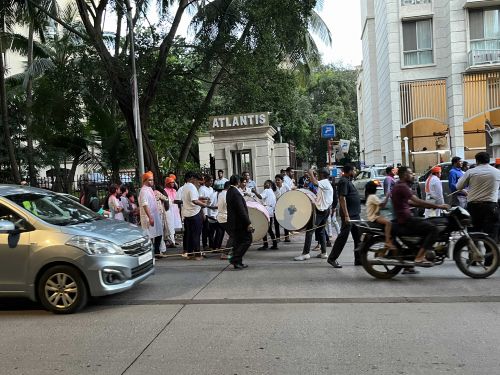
(145, 257)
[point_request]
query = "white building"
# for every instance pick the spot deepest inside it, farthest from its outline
(430, 74)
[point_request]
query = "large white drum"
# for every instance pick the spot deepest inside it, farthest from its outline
(295, 208)
(259, 217)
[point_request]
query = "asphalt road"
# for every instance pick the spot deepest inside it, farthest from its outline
(276, 317)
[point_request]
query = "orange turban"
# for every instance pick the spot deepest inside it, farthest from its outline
(146, 176)
(169, 180)
(172, 176)
(436, 169)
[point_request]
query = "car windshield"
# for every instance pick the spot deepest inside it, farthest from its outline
(380, 172)
(54, 209)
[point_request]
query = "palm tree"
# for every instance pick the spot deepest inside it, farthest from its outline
(8, 41)
(36, 21)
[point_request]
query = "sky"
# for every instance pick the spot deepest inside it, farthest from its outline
(344, 21)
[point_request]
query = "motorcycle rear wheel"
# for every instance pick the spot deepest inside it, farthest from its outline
(377, 270)
(467, 265)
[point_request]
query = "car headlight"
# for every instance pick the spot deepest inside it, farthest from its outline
(95, 246)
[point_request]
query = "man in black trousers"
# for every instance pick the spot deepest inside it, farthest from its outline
(350, 209)
(239, 226)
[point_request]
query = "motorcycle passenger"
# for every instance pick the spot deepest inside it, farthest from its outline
(373, 206)
(402, 197)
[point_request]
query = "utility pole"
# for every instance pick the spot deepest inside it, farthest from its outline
(137, 116)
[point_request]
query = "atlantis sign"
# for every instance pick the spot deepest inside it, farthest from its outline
(247, 120)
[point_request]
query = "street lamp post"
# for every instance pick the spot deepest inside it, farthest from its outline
(137, 117)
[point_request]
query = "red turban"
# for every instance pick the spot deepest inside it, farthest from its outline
(146, 176)
(436, 169)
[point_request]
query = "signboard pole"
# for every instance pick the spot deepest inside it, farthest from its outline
(330, 153)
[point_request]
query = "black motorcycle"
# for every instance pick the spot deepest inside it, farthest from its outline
(475, 254)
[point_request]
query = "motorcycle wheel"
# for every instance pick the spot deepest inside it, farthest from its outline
(477, 270)
(368, 255)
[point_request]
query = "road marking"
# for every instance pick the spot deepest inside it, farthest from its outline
(251, 301)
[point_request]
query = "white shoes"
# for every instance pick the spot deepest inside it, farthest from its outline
(302, 257)
(322, 256)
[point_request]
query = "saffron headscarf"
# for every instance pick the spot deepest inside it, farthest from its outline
(146, 176)
(169, 180)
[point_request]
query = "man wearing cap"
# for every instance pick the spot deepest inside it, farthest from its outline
(150, 215)
(482, 198)
(459, 197)
(434, 191)
(323, 202)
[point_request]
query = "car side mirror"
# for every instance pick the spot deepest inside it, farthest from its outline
(6, 227)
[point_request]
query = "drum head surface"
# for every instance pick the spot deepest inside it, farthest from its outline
(294, 209)
(259, 221)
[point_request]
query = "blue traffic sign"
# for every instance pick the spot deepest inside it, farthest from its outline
(328, 131)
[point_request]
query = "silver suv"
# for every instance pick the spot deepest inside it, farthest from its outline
(58, 252)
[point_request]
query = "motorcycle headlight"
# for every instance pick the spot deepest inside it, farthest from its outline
(95, 246)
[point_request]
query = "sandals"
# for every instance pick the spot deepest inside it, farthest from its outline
(423, 263)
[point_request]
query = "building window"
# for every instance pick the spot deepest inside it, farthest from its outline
(414, 2)
(417, 42)
(242, 161)
(484, 25)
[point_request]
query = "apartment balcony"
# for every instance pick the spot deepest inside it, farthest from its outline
(484, 59)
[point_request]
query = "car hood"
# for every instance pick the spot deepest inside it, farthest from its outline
(119, 232)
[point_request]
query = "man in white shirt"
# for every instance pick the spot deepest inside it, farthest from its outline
(269, 201)
(324, 200)
(220, 181)
(191, 209)
(281, 189)
(243, 188)
(288, 178)
(206, 191)
(250, 183)
(482, 196)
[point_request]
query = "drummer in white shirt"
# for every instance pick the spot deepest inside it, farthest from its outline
(281, 189)
(269, 201)
(288, 178)
(324, 200)
(244, 189)
(207, 234)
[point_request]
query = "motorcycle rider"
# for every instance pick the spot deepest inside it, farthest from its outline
(402, 198)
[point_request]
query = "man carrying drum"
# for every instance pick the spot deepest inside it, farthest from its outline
(323, 202)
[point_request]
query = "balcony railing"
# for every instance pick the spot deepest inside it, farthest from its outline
(479, 57)
(414, 2)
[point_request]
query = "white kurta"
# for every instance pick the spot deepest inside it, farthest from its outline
(147, 198)
(434, 194)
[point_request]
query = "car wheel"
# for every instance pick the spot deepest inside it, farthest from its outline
(61, 290)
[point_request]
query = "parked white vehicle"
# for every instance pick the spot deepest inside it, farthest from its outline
(376, 172)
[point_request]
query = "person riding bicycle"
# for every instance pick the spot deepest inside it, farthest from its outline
(402, 198)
